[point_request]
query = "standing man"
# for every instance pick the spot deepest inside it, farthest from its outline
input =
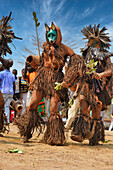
(24, 90)
(7, 85)
(16, 95)
(17, 85)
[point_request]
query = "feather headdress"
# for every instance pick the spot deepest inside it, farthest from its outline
(94, 32)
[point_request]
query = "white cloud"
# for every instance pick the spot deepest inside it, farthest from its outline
(59, 6)
(86, 12)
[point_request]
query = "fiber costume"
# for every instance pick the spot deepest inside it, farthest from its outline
(91, 86)
(50, 71)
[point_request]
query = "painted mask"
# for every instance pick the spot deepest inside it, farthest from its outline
(51, 33)
(94, 42)
(52, 36)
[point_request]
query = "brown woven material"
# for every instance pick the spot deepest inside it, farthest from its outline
(88, 128)
(54, 134)
(29, 121)
(99, 134)
(75, 70)
(98, 52)
(110, 83)
(88, 94)
(106, 93)
(81, 126)
(85, 126)
(45, 82)
(104, 97)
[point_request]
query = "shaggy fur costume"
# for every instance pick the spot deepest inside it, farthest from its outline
(45, 82)
(28, 121)
(88, 128)
(54, 134)
(82, 126)
(92, 87)
(99, 132)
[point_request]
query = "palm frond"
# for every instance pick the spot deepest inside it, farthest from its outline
(6, 35)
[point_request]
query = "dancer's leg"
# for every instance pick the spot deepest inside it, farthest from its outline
(30, 119)
(54, 134)
(97, 124)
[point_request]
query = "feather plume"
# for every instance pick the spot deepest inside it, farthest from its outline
(90, 31)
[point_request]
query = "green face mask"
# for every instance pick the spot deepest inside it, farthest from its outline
(52, 36)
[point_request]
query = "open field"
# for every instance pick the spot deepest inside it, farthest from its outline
(40, 156)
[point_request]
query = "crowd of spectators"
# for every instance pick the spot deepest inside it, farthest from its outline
(17, 88)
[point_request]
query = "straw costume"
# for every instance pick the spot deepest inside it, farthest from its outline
(91, 86)
(50, 71)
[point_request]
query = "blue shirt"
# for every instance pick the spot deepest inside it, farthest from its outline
(7, 80)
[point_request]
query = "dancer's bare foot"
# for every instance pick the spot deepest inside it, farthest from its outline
(77, 138)
(25, 139)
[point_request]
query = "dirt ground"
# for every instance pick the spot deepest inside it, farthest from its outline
(40, 156)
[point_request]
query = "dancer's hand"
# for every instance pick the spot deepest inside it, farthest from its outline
(97, 76)
(52, 49)
(64, 84)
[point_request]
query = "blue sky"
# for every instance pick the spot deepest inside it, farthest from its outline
(70, 15)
